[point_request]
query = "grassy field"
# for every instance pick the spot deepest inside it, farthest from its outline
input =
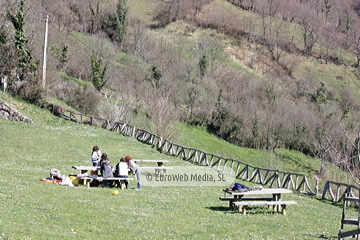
(31, 209)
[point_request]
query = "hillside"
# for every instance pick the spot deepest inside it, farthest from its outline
(32, 209)
(260, 75)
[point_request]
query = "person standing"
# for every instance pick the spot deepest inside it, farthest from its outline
(135, 169)
(95, 156)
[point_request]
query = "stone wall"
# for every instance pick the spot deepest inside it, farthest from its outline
(12, 114)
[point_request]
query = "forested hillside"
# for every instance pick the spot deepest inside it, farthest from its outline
(262, 74)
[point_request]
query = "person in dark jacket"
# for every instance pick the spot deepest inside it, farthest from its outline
(106, 170)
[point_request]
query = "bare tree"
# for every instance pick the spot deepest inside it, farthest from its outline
(309, 27)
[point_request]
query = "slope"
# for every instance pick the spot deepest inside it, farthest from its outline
(36, 210)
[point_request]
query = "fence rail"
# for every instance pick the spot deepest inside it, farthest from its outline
(341, 190)
(81, 118)
(241, 170)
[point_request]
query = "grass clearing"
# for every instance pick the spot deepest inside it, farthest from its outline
(32, 209)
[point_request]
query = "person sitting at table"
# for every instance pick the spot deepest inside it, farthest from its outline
(95, 156)
(135, 169)
(106, 170)
(121, 170)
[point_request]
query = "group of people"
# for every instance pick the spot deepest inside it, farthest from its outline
(121, 170)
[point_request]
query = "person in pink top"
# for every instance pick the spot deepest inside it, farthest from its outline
(135, 169)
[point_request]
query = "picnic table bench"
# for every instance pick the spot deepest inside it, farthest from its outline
(87, 183)
(241, 200)
(232, 199)
(242, 205)
(85, 177)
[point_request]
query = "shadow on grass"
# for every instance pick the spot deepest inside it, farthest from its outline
(313, 236)
(251, 211)
(226, 210)
(337, 204)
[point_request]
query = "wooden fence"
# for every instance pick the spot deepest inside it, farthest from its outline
(81, 118)
(342, 190)
(241, 170)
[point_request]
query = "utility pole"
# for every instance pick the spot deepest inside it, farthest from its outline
(44, 56)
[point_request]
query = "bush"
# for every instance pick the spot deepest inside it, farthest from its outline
(83, 98)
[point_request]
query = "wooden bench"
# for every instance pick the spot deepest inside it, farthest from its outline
(242, 205)
(232, 199)
(87, 183)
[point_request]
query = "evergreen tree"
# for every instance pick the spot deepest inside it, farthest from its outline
(122, 23)
(25, 84)
(203, 65)
(98, 76)
(116, 24)
(21, 40)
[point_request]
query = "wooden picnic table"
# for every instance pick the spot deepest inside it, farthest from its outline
(159, 169)
(250, 198)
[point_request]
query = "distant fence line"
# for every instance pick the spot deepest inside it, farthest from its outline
(81, 118)
(241, 170)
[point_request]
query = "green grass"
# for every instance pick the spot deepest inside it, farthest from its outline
(31, 209)
(76, 80)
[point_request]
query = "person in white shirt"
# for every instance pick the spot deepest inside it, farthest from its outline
(122, 171)
(96, 156)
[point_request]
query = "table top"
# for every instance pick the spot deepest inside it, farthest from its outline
(262, 191)
(156, 167)
(143, 160)
(81, 168)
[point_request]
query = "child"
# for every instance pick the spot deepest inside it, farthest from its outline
(122, 172)
(95, 156)
(106, 169)
(136, 170)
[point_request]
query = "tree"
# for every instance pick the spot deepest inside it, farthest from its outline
(3, 38)
(21, 40)
(327, 8)
(5, 52)
(61, 55)
(98, 75)
(203, 65)
(122, 11)
(156, 74)
(116, 24)
(25, 82)
(309, 36)
(95, 18)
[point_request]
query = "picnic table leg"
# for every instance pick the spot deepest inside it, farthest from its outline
(242, 209)
(276, 197)
(283, 209)
(231, 204)
(236, 199)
